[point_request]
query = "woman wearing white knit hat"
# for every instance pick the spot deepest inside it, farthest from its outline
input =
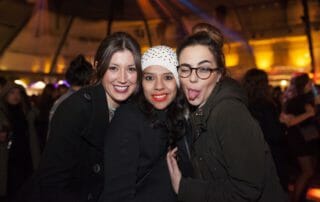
(141, 132)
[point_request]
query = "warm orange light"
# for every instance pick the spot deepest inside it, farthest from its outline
(147, 9)
(47, 66)
(264, 59)
(300, 57)
(144, 49)
(61, 65)
(232, 59)
(2, 67)
(290, 39)
(35, 65)
(313, 194)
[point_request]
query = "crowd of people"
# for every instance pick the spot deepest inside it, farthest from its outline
(158, 127)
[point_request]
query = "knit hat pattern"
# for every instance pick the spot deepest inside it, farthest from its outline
(162, 56)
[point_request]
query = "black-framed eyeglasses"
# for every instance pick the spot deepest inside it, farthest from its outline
(202, 72)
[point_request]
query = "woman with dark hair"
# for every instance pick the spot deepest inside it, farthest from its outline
(141, 132)
(71, 168)
(230, 157)
(14, 109)
(299, 114)
(264, 110)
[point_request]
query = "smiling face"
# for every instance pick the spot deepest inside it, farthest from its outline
(198, 90)
(159, 86)
(120, 79)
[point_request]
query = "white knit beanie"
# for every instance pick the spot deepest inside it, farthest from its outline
(163, 56)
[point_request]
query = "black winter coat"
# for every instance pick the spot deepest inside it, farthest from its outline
(232, 161)
(135, 164)
(71, 169)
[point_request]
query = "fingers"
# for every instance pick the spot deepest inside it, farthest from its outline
(169, 162)
(173, 168)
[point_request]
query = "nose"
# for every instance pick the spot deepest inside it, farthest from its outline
(159, 85)
(193, 77)
(122, 77)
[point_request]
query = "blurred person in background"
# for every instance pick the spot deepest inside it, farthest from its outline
(62, 89)
(276, 95)
(14, 107)
(3, 82)
(264, 110)
(44, 103)
(303, 135)
(78, 75)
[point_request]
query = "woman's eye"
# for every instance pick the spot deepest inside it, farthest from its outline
(184, 69)
(204, 69)
(132, 69)
(148, 78)
(168, 77)
(113, 68)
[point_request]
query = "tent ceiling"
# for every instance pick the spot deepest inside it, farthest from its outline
(31, 30)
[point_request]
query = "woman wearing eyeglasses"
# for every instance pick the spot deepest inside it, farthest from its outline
(231, 159)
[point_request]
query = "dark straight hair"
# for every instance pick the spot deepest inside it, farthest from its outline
(118, 41)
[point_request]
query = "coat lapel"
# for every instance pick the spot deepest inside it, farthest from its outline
(99, 116)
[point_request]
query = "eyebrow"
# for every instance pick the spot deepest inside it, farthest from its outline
(131, 65)
(166, 73)
(199, 63)
(204, 61)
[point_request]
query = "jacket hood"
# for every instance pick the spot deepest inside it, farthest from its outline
(226, 89)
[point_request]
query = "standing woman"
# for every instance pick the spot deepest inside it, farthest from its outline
(232, 162)
(141, 132)
(298, 114)
(14, 109)
(264, 110)
(72, 165)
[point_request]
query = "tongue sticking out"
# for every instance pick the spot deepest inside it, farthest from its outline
(193, 94)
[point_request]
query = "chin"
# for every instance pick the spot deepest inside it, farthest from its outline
(194, 103)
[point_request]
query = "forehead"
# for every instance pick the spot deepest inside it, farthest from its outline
(122, 56)
(195, 54)
(156, 69)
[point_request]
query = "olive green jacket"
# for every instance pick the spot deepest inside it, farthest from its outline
(231, 159)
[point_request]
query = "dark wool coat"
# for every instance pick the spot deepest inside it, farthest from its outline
(135, 164)
(71, 169)
(232, 161)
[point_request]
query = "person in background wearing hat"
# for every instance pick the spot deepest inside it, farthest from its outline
(141, 132)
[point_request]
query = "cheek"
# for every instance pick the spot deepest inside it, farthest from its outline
(133, 77)
(107, 77)
(147, 87)
(210, 85)
(174, 89)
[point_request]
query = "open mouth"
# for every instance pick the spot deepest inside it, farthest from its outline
(193, 94)
(121, 89)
